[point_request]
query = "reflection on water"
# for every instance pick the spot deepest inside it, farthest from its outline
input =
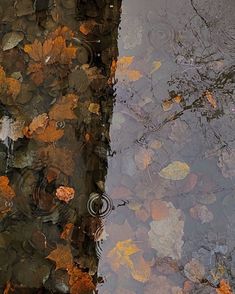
(117, 162)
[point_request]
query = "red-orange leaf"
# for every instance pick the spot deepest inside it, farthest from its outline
(50, 134)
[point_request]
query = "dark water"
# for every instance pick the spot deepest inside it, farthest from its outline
(144, 148)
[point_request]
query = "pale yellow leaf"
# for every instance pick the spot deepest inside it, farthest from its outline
(176, 170)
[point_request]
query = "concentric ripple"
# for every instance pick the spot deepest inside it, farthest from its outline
(99, 205)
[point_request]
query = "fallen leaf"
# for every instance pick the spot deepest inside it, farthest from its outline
(37, 73)
(80, 282)
(224, 288)
(11, 40)
(141, 270)
(62, 31)
(178, 98)
(166, 235)
(176, 171)
(94, 108)
(65, 193)
(155, 144)
(63, 108)
(155, 66)
(123, 72)
(5, 189)
(194, 271)
(13, 87)
(167, 105)
(62, 256)
(210, 98)
(38, 125)
(143, 158)
(11, 129)
(87, 26)
(67, 231)
(201, 213)
(159, 209)
(50, 134)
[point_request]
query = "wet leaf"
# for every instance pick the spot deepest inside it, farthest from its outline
(13, 87)
(201, 213)
(167, 105)
(80, 282)
(63, 108)
(87, 26)
(143, 158)
(210, 98)
(38, 125)
(5, 189)
(141, 270)
(62, 256)
(224, 288)
(67, 231)
(11, 129)
(178, 98)
(65, 193)
(155, 66)
(63, 32)
(11, 40)
(123, 72)
(176, 171)
(50, 134)
(94, 108)
(194, 271)
(37, 73)
(159, 209)
(166, 234)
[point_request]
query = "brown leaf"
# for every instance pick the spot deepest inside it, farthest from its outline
(167, 105)
(67, 231)
(50, 134)
(63, 109)
(62, 256)
(123, 72)
(38, 125)
(94, 108)
(159, 209)
(64, 32)
(36, 71)
(80, 282)
(5, 189)
(87, 26)
(34, 50)
(65, 193)
(224, 288)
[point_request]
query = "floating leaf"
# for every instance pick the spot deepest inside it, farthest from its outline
(13, 87)
(38, 125)
(62, 256)
(176, 170)
(87, 26)
(143, 158)
(63, 108)
(94, 108)
(80, 282)
(65, 193)
(67, 231)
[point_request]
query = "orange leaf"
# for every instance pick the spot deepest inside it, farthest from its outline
(34, 50)
(5, 190)
(123, 70)
(36, 71)
(211, 99)
(65, 193)
(62, 256)
(13, 87)
(50, 134)
(64, 32)
(87, 26)
(37, 125)
(63, 109)
(159, 209)
(68, 228)
(224, 288)
(80, 282)
(2, 75)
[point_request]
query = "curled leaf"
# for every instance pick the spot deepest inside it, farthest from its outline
(224, 288)
(94, 108)
(143, 158)
(124, 72)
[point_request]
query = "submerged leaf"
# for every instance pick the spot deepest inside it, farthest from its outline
(176, 170)
(50, 134)
(210, 98)
(80, 282)
(63, 108)
(37, 125)
(94, 108)
(143, 158)
(5, 189)
(62, 256)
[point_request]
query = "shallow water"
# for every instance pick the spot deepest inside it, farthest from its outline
(144, 147)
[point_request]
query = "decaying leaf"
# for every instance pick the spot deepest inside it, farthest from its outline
(67, 231)
(62, 256)
(143, 158)
(194, 271)
(224, 288)
(38, 125)
(5, 189)
(9, 86)
(51, 133)
(65, 193)
(166, 234)
(201, 213)
(80, 282)
(176, 171)
(63, 108)
(12, 39)
(167, 105)
(123, 72)
(11, 129)
(210, 98)
(94, 108)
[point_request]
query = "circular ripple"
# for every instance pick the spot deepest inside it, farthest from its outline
(161, 34)
(99, 205)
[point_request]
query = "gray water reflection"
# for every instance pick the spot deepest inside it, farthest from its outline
(183, 229)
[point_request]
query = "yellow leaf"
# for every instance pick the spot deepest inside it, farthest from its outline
(167, 105)
(123, 70)
(50, 134)
(94, 108)
(141, 270)
(155, 66)
(176, 170)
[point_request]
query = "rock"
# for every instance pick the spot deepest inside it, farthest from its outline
(11, 40)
